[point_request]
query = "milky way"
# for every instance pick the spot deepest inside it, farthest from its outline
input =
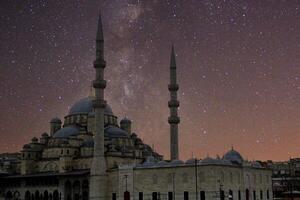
(238, 70)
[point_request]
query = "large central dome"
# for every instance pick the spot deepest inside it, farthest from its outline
(85, 106)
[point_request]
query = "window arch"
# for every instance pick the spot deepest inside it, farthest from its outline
(247, 194)
(27, 195)
(230, 196)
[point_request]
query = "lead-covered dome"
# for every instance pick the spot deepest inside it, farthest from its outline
(234, 157)
(66, 132)
(85, 106)
(112, 131)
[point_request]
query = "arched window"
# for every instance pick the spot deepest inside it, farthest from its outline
(202, 195)
(247, 194)
(254, 195)
(8, 195)
(126, 195)
(186, 195)
(170, 195)
(55, 195)
(76, 190)
(261, 195)
(240, 196)
(37, 195)
(85, 190)
(27, 195)
(68, 191)
(45, 195)
(154, 196)
(222, 195)
(230, 197)
(268, 194)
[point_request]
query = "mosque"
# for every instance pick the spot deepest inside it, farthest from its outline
(90, 155)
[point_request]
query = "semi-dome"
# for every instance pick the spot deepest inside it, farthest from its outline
(66, 132)
(85, 106)
(234, 157)
(113, 131)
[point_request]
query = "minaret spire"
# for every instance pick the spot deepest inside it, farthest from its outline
(100, 40)
(98, 183)
(174, 120)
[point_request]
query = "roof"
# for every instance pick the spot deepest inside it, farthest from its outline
(234, 157)
(66, 132)
(113, 131)
(85, 106)
(46, 174)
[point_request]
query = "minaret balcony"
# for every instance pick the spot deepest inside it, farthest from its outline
(99, 84)
(174, 120)
(173, 87)
(173, 104)
(99, 63)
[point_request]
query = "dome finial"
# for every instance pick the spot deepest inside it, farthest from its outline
(100, 40)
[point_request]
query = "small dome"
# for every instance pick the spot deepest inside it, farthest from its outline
(149, 161)
(133, 135)
(209, 160)
(55, 120)
(256, 164)
(112, 131)
(162, 163)
(191, 161)
(85, 106)
(234, 157)
(66, 132)
(125, 120)
(44, 135)
(176, 162)
(34, 140)
(26, 146)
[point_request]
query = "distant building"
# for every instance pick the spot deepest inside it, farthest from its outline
(90, 155)
(286, 179)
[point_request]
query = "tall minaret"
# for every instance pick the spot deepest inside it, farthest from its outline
(98, 168)
(173, 105)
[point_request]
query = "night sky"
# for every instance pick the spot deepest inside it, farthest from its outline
(238, 69)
